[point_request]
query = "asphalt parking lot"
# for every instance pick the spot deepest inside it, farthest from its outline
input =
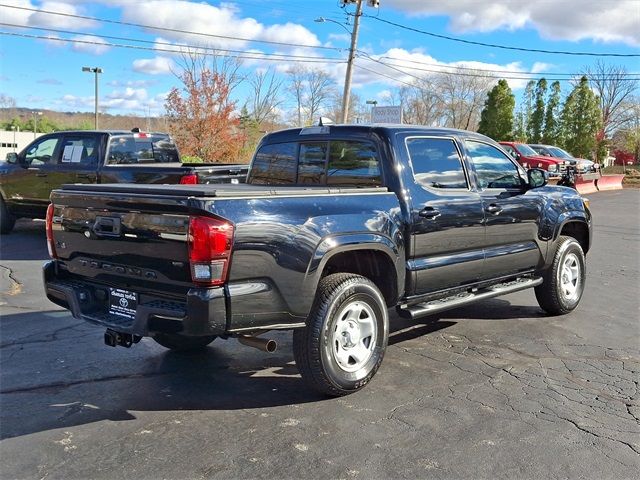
(496, 390)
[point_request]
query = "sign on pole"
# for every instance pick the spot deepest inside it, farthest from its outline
(391, 114)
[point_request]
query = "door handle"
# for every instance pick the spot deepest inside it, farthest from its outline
(88, 176)
(494, 209)
(429, 213)
(41, 174)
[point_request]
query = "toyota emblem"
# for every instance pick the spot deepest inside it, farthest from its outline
(124, 303)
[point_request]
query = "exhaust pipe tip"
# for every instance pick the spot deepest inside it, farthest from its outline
(263, 344)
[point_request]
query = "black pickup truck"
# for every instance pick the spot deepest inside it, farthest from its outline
(27, 178)
(336, 225)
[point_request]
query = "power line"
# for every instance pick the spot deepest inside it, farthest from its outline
(503, 47)
(247, 56)
(485, 73)
(380, 74)
(498, 71)
(165, 29)
(177, 46)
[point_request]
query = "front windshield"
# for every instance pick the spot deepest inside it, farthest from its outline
(526, 150)
(559, 153)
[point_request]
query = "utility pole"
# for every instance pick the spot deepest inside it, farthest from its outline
(95, 71)
(346, 94)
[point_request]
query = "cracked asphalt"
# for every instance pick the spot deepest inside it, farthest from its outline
(496, 390)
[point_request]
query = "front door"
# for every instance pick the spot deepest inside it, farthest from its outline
(447, 218)
(512, 244)
(28, 193)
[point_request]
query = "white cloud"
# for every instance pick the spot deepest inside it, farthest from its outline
(223, 20)
(132, 83)
(153, 66)
(40, 19)
(340, 37)
(90, 44)
(408, 66)
(574, 20)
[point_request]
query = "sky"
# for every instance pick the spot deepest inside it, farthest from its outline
(41, 69)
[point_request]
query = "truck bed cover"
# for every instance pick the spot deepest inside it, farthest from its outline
(228, 190)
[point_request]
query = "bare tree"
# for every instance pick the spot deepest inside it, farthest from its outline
(296, 76)
(615, 89)
(319, 89)
(312, 90)
(462, 94)
(265, 98)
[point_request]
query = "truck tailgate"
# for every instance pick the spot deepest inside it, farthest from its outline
(123, 239)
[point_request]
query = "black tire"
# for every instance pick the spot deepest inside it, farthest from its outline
(180, 343)
(7, 220)
(555, 294)
(322, 350)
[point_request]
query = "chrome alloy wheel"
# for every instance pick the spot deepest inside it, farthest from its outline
(354, 336)
(570, 277)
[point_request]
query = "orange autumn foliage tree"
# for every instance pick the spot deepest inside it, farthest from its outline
(202, 118)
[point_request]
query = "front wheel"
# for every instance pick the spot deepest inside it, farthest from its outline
(181, 343)
(564, 281)
(343, 344)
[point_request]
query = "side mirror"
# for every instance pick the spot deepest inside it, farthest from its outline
(12, 157)
(537, 177)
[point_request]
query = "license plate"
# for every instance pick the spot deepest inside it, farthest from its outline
(123, 303)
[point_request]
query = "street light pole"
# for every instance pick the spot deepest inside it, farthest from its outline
(95, 71)
(35, 123)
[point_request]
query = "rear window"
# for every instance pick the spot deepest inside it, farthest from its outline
(128, 149)
(338, 163)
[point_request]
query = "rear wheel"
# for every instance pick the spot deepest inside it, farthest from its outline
(564, 281)
(343, 344)
(7, 220)
(181, 343)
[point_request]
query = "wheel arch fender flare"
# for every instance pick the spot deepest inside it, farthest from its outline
(333, 245)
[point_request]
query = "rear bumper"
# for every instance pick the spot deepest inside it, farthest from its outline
(203, 312)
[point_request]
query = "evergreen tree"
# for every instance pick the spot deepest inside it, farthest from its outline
(581, 119)
(537, 115)
(524, 115)
(551, 132)
(496, 118)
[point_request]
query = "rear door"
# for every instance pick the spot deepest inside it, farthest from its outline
(512, 216)
(78, 160)
(447, 217)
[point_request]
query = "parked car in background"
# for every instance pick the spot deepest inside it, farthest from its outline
(94, 156)
(581, 165)
(335, 225)
(529, 158)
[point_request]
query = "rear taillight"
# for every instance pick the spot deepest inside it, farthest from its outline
(190, 179)
(210, 241)
(50, 243)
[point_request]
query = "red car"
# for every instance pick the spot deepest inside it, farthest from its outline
(529, 158)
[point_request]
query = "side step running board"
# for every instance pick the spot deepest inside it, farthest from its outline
(465, 298)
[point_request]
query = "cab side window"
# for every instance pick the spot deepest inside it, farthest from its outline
(436, 163)
(493, 168)
(79, 150)
(353, 163)
(42, 152)
(122, 150)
